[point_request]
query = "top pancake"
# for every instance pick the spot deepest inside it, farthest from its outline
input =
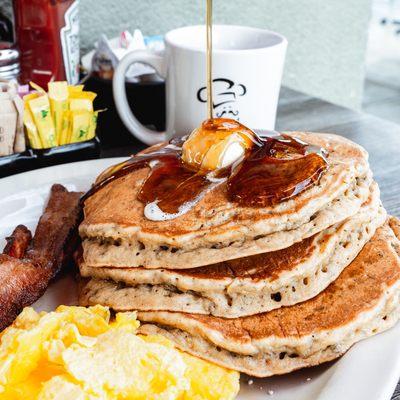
(114, 215)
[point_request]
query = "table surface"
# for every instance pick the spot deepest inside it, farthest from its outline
(381, 138)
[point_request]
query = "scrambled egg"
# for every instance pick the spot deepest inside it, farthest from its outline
(77, 353)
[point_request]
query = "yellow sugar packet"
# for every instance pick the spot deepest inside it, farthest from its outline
(63, 115)
(40, 109)
(66, 128)
(81, 121)
(31, 96)
(30, 126)
(37, 87)
(31, 131)
(72, 89)
(82, 101)
(58, 95)
(81, 125)
(93, 125)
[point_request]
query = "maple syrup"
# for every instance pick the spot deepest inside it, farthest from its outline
(278, 170)
(274, 169)
(210, 104)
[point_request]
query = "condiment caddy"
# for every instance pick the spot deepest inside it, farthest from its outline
(59, 127)
(38, 158)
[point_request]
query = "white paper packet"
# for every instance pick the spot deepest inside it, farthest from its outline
(12, 136)
(8, 124)
(19, 141)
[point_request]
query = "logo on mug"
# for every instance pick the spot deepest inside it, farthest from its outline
(225, 94)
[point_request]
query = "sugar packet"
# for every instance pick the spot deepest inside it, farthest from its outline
(12, 137)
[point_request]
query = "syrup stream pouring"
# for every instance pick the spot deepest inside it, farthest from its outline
(209, 60)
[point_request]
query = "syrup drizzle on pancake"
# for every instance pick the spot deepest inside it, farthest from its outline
(273, 170)
(277, 170)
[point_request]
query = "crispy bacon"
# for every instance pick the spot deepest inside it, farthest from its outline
(26, 268)
(18, 242)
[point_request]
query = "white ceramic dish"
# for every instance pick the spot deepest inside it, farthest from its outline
(369, 371)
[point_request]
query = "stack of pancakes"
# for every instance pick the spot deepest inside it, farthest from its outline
(260, 290)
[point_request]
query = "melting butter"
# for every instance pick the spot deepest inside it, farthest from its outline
(217, 144)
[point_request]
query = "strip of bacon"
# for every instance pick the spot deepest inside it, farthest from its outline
(26, 270)
(18, 242)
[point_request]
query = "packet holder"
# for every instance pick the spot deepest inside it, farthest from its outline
(31, 159)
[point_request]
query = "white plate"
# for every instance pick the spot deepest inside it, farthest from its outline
(369, 371)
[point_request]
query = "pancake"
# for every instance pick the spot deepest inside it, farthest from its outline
(363, 301)
(243, 286)
(115, 231)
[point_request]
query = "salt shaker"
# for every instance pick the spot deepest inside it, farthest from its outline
(9, 65)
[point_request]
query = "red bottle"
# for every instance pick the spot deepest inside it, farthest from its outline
(48, 38)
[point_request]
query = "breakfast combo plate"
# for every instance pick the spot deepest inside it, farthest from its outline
(224, 261)
(329, 281)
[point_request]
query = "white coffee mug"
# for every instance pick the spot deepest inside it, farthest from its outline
(247, 73)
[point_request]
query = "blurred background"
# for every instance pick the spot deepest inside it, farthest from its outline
(349, 40)
(344, 52)
(381, 95)
(326, 38)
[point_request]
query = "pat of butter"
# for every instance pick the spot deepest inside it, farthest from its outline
(210, 149)
(224, 153)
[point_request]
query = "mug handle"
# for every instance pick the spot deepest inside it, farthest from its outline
(138, 130)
